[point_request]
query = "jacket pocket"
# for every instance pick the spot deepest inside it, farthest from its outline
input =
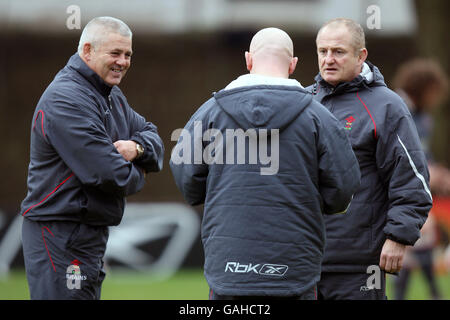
(351, 229)
(73, 235)
(88, 240)
(102, 209)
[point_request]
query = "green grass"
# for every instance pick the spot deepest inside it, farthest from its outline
(14, 286)
(184, 285)
(418, 287)
(188, 284)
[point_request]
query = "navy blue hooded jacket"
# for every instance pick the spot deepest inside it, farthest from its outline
(263, 232)
(394, 198)
(75, 172)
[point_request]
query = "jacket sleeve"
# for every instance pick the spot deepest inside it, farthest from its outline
(339, 174)
(146, 134)
(188, 168)
(403, 168)
(77, 134)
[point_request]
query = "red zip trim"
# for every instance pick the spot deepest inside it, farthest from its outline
(370, 115)
(42, 121)
(54, 190)
(46, 248)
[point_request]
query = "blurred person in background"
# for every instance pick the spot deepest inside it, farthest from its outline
(447, 258)
(88, 151)
(393, 201)
(423, 85)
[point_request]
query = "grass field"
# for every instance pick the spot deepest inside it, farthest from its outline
(185, 285)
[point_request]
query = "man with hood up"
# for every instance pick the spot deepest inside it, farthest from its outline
(262, 229)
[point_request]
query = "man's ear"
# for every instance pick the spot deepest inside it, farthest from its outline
(248, 61)
(87, 50)
(293, 65)
(363, 53)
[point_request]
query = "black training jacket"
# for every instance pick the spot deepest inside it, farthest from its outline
(262, 228)
(394, 197)
(75, 172)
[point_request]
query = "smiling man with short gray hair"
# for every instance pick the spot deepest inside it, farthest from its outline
(89, 150)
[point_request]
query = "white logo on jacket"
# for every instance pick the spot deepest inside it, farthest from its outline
(266, 269)
(74, 276)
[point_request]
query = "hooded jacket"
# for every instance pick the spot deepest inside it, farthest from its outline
(262, 230)
(75, 172)
(394, 198)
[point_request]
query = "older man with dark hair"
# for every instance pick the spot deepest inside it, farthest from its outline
(394, 198)
(89, 150)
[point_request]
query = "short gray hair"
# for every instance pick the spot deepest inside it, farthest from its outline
(357, 32)
(98, 28)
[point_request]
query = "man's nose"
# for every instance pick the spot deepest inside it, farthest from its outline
(122, 61)
(329, 58)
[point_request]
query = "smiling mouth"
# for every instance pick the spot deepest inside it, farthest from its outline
(117, 70)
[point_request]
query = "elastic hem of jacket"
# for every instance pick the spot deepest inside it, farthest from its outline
(393, 238)
(345, 210)
(347, 268)
(239, 291)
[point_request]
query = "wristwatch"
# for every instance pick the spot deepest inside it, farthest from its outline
(140, 150)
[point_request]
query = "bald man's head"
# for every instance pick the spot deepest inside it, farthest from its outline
(272, 40)
(271, 53)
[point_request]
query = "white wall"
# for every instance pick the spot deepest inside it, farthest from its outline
(179, 16)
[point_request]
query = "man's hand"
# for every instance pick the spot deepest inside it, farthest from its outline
(127, 148)
(391, 258)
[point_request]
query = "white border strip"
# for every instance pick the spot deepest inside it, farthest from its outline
(418, 175)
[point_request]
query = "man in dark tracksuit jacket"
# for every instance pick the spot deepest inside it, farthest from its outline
(262, 228)
(84, 160)
(392, 204)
